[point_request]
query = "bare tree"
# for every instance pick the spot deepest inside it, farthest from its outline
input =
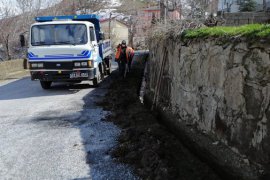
(29, 9)
(8, 32)
(5, 9)
(195, 9)
(12, 25)
(89, 6)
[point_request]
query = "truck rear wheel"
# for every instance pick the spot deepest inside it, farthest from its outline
(46, 84)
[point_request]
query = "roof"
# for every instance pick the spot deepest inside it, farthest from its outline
(152, 8)
(61, 22)
(113, 18)
(107, 19)
(157, 8)
(89, 17)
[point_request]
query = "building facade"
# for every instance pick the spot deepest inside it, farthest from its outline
(119, 31)
(233, 5)
(145, 19)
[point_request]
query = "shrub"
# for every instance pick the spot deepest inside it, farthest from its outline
(247, 6)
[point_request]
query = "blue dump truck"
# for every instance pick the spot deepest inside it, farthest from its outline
(68, 49)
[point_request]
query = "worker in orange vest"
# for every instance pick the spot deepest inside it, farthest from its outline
(123, 56)
(117, 55)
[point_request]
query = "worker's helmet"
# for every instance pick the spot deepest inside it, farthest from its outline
(124, 42)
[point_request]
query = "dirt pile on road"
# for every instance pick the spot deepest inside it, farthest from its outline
(145, 144)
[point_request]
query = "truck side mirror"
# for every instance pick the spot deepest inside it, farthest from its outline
(22, 40)
(102, 36)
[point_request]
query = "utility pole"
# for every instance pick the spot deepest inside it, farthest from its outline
(166, 12)
(162, 10)
(264, 5)
(73, 7)
(110, 25)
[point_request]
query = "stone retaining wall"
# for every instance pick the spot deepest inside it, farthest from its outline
(223, 89)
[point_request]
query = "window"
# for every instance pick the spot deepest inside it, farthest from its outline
(92, 34)
(58, 34)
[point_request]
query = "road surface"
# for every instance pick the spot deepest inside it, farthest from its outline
(57, 133)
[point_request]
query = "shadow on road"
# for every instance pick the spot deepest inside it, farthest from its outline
(101, 136)
(25, 88)
(97, 137)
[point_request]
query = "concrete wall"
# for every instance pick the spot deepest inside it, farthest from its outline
(7, 67)
(236, 19)
(221, 88)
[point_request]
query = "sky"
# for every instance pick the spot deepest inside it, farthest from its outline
(45, 3)
(12, 4)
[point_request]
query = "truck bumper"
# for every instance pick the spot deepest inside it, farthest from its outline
(63, 75)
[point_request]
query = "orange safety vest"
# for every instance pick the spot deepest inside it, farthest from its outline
(117, 54)
(129, 53)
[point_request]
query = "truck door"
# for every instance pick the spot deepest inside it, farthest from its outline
(93, 39)
(94, 42)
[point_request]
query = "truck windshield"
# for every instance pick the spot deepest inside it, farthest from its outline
(58, 34)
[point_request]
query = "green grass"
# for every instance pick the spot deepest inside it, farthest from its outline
(248, 31)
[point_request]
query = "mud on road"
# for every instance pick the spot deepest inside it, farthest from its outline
(149, 147)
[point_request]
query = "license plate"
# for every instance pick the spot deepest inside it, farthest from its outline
(78, 75)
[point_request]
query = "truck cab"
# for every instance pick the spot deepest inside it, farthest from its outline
(68, 49)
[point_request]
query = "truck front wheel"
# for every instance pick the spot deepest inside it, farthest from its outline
(109, 69)
(46, 84)
(95, 82)
(99, 76)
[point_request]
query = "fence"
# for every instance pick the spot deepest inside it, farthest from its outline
(241, 18)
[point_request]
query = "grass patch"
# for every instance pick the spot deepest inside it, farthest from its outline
(248, 31)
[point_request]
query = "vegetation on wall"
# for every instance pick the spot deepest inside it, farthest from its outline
(248, 31)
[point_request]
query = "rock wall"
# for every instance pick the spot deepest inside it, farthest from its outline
(221, 87)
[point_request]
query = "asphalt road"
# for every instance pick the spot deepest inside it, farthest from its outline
(57, 133)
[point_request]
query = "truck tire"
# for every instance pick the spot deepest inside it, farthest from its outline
(97, 79)
(107, 65)
(109, 69)
(101, 71)
(46, 84)
(95, 82)
(104, 68)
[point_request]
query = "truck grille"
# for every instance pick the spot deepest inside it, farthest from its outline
(58, 65)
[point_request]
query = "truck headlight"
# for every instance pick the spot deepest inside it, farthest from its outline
(84, 64)
(91, 63)
(37, 65)
(40, 65)
(34, 65)
(77, 64)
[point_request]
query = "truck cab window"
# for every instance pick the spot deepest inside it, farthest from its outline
(59, 34)
(92, 34)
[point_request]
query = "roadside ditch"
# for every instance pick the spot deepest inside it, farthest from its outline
(145, 144)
